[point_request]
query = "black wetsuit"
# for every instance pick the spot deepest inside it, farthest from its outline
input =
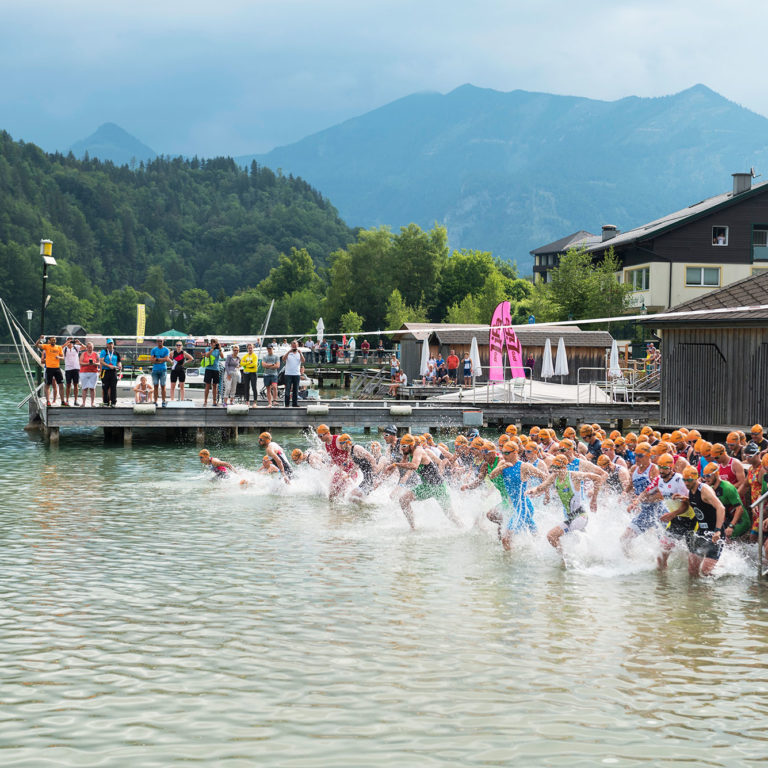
(366, 469)
(700, 541)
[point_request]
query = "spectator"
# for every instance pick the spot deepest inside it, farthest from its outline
(212, 376)
(380, 350)
(190, 346)
(250, 364)
(530, 361)
(310, 345)
(53, 355)
(178, 357)
(334, 352)
(394, 367)
(395, 384)
(72, 350)
(467, 366)
(452, 363)
(321, 351)
(142, 390)
(293, 361)
(159, 355)
(231, 375)
(271, 364)
(352, 349)
(110, 364)
(365, 348)
(442, 377)
(89, 372)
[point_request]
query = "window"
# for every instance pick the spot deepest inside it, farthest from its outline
(639, 279)
(719, 235)
(760, 244)
(702, 276)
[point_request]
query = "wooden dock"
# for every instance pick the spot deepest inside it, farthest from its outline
(194, 422)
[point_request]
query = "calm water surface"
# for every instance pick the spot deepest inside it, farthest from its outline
(149, 617)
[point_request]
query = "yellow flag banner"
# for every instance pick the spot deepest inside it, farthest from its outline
(141, 322)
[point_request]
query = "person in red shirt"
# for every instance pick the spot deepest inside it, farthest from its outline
(365, 348)
(452, 363)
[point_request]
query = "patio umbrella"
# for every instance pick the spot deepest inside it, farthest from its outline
(547, 369)
(474, 356)
(561, 361)
(614, 369)
(424, 365)
(320, 329)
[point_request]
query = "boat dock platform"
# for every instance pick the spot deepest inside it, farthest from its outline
(194, 422)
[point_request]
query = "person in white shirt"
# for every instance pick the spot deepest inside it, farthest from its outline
(293, 361)
(72, 350)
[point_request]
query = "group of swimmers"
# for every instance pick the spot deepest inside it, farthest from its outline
(693, 492)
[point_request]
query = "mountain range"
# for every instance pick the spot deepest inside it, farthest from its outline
(508, 172)
(511, 171)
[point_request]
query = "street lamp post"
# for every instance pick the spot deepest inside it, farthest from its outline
(46, 251)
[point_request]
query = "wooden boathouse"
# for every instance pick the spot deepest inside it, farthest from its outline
(584, 349)
(714, 368)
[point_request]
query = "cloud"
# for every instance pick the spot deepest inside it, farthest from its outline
(241, 76)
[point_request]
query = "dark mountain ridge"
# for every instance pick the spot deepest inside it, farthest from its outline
(511, 171)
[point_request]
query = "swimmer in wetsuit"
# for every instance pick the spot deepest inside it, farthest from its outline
(567, 483)
(345, 472)
(705, 544)
(276, 455)
(220, 469)
(364, 461)
(432, 485)
(515, 474)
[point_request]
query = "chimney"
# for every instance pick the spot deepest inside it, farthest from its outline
(609, 231)
(742, 182)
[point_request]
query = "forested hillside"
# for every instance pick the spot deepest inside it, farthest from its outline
(153, 233)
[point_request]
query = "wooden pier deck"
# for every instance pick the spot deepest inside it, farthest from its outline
(339, 415)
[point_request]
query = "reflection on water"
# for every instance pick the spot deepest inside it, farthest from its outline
(149, 617)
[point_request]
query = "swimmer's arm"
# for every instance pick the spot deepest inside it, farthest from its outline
(540, 489)
(220, 463)
(529, 470)
(498, 469)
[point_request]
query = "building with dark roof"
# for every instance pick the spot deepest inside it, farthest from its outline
(714, 366)
(683, 255)
(584, 349)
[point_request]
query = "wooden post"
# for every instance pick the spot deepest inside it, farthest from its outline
(200, 436)
(235, 433)
(53, 436)
(127, 436)
(366, 430)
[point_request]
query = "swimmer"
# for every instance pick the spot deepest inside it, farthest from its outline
(268, 467)
(515, 474)
(705, 544)
(574, 510)
(432, 485)
(220, 469)
(364, 461)
(345, 472)
(643, 484)
(313, 458)
(277, 455)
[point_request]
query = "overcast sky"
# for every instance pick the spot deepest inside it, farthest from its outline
(240, 76)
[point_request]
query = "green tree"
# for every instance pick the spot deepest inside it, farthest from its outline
(398, 312)
(65, 309)
(294, 272)
(465, 313)
(464, 273)
(351, 323)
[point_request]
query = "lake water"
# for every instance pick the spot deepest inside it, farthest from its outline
(150, 617)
